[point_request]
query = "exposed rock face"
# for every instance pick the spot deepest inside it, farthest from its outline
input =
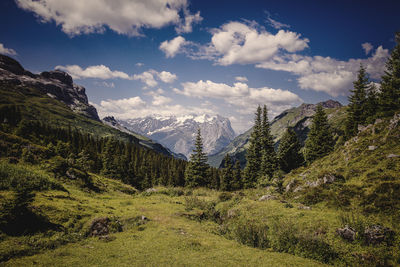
(178, 133)
(99, 227)
(56, 84)
(267, 197)
(376, 234)
(347, 233)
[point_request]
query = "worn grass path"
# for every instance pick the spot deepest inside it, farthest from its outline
(168, 239)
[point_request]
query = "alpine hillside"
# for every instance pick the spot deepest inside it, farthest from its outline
(299, 118)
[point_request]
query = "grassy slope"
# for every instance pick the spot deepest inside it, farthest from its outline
(167, 239)
(35, 105)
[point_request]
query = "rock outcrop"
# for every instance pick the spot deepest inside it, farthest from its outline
(56, 84)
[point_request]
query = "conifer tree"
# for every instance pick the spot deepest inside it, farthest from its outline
(320, 139)
(356, 113)
(289, 155)
(389, 96)
(196, 170)
(268, 154)
(253, 156)
(371, 104)
(227, 174)
(237, 177)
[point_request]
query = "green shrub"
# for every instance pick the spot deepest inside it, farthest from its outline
(16, 176)
(250, 232)
(225, 196)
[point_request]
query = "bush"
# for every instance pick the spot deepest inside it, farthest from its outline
(225, 196)
(250, 232)
(22, 177)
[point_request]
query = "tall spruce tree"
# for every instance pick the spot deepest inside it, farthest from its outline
(268, 154)
(389, 96)
(227, 174)
(289, 155)
(372, 103)
(253, 156)
(237, 176)
(196, 170)
(320, 138)
(357, 109)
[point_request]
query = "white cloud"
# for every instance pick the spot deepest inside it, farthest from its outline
(240, 95)
(241, 79)
(326, 74)
(238, 43)
(7, 51)
(98, 71)
(172, 47)
(276, 24)
(122, 105)
(122, 16)
(139, 64)
(159, 99)
(149, 77)
(136, 107)
(106, 84)
(167, 77)
(186, 25)
(367, 47)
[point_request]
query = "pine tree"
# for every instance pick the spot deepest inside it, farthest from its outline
(227, 174)
(237, 177)
(196, 170)
(389, 97)
(268, 154)
(253, 156)
(356, 113)
(320, 139)
(289, 155)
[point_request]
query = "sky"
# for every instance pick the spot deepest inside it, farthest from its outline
(178, 57)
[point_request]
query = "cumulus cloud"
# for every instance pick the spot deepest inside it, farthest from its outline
(326, 74)
(136, 107)
(241, 79)
(149, 77)
(186, 25)
(367, 47)
(172, 47)
(106, 84)
(97, 71)
(238, 43)
(122, 16)
(139, 64)
(7, 51)
(241, 95)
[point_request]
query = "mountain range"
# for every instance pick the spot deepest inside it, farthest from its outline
(178, 133)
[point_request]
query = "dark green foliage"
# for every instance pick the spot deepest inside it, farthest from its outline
(196, 170)
(237, 182)
(356, 112)
(261, 158)
(320, 139)
(389, 96)
(289, 155)
(268, 154)
(227, 178)
(253, 156)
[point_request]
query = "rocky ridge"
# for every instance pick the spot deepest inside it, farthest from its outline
(56, 84)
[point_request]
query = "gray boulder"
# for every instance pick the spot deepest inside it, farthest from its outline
(267, 197)
(347, 233)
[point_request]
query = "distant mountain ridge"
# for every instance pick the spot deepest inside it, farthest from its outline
(178, 133)
(299, 118)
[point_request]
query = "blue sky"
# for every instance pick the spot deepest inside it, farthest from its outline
(177, 57)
